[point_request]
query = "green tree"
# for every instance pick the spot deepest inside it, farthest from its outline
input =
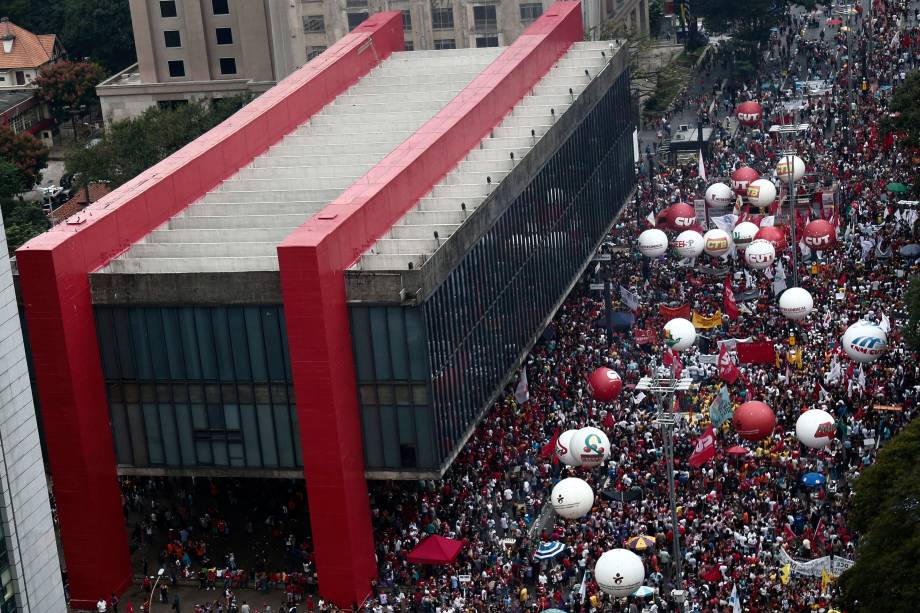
(66, 86)
(905, 111)
(22, 220)
(912, 329)
(10, 180)
(131, 146)
(886, 512)
(96, 29)
(26, 153)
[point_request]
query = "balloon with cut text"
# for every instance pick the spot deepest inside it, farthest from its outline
(681, 216)
(815, 428)
(759, 254)
(754, 420)
(820, 235)
(749, 113)
(864, 342)
(604, 384)
(775, 235)
(653, 243)
(742, 177)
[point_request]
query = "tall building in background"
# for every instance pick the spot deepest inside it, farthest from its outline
(193, 49)
(30, 571)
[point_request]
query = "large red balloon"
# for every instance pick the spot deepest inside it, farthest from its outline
(754, 420)
(742, 177)
(681, 216)
(604, 384)
(775, 235)
(820, 234)
(749, 113)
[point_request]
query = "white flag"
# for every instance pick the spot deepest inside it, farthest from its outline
(725, 223)
(768, 220)
(885, 324)
(862, 378)
(734, 601)
(702, 167)
(651, 219)
(521, 393)
(582, 591)
(630, 299)
(639, 398)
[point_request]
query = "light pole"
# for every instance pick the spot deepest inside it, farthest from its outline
(153, 591)
(663, 389)
(793, 196)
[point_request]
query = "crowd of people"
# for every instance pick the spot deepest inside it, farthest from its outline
(738, 517)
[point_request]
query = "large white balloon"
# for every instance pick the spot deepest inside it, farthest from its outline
(761, 193)
(796, 303)
(716, 242)
(688, 244)
(592, 446)
(815, 428)
(572, 498)
(619, 572)
(864, 342)
(792, 162)
(564, 448)
(679, 334)
(719, 196)
(759, 254)
(653, 242)
(743, 234)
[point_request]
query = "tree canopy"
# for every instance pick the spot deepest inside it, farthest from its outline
(26, 153)
(65, 85)
(886, 511)
(905, 109)
(22, 220)
(131, 146)
(96, 29)
(912, 329)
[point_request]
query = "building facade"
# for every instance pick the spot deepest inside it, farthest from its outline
(194, 49)
(30, 571)
(332, 285)
(23, 54)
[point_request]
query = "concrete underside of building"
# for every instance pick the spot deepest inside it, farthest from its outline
(334, 283)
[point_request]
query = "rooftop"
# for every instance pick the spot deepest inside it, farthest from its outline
(28, 50)
(237, 226)
(10, 98)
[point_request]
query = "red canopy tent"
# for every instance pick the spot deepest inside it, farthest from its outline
(435, 550)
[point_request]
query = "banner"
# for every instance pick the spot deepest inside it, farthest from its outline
(728, 300)
(645, 337)
(833, 565)
(728, 372)
(715, 271)
(705, 323)
(672, 312)
(705, 448)
(756, 353)
(732, 343)
(888, 407)
(521, 392)
(629, 299)
(721, 409)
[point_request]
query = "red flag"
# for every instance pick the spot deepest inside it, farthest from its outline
(712, 575)
(671, 359)
(705, 449)
(756, 353)
(788, 533)
(672, 312)
(728, 372)
(819, 532)
(550, 447)
(728, 298)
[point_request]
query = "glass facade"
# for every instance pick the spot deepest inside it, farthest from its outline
(391, 365)
(202, 386)
(482, 316)
(8, 598)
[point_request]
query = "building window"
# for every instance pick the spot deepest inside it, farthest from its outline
(220, 7)
(312, 52)
(168, 8)
(407, 21)
(531, 11)
(484, 18)
(176, 68)
(227, 65)
(314, 24)
(356, 4)
(224, 36)
(409, 45)
(447, 43)
(487, 41)
(172, 38)
(171, 105)
(20, 77)
(442, 19)
(355, 19)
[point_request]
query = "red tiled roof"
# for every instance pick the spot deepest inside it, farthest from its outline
(29, 50)
(78, 202)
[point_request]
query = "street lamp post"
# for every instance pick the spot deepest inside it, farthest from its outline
(153, 591)
(663, 389)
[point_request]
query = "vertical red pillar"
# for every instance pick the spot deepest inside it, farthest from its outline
(74, 409)
(319, 343)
